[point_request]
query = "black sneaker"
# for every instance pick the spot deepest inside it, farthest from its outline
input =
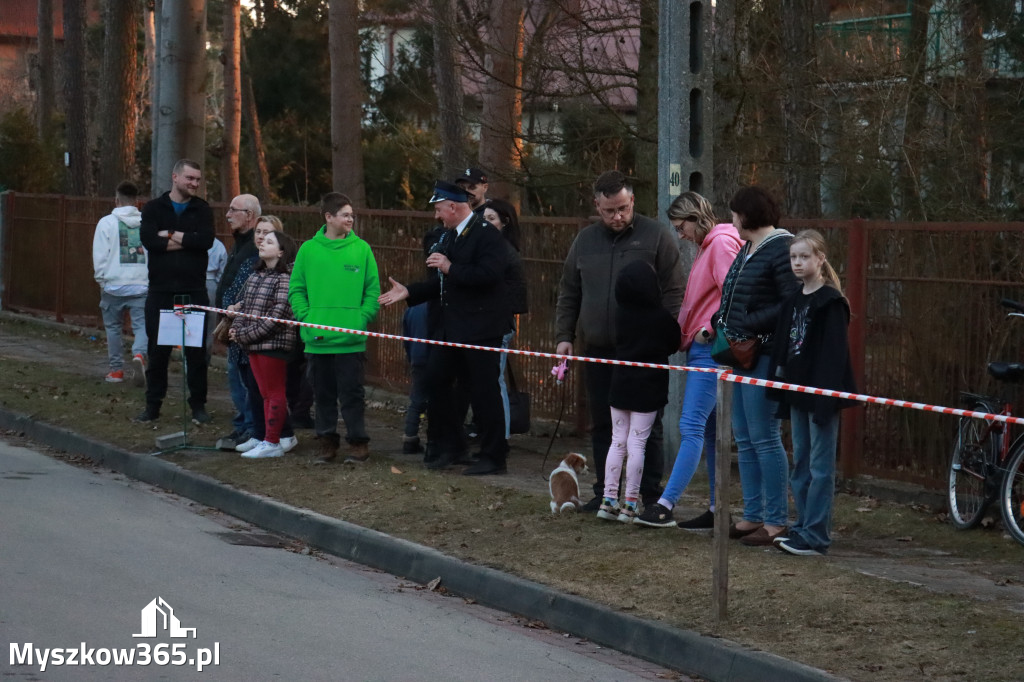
(148, 415)
(655, 516)
(705, 521)
(594, 504)
(795, 544)
(200, 416)
(411, 447)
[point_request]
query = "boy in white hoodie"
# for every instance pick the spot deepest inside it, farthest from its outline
(119, 265)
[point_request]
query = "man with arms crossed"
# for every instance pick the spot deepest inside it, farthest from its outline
(177, 231)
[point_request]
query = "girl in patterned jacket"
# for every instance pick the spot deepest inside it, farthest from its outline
(269, 344)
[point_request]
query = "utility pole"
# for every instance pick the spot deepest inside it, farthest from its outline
(685, 136)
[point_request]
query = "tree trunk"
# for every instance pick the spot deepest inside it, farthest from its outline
(181, 105)
(448, 81)
(917, 108)
(230, 186)
(153, 23)
(77, 117)
(801, 169)
(261, 177)
(118, 92)
(44, 105)
(974, 99)
(346, 101)
(647, 111)
(729, 40)
(501, 119)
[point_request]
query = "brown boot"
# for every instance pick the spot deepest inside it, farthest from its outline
(328, 450)
(358, 453)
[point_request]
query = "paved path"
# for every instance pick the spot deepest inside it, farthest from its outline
(83, 552)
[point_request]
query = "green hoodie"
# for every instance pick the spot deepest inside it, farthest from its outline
(334, 283)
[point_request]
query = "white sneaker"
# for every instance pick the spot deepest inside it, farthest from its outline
(264, 450)
(288, 444)
(247, 445)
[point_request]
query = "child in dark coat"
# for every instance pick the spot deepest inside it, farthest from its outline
(811, 349)
(644, 332)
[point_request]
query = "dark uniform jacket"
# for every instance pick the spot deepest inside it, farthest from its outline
(474, 303)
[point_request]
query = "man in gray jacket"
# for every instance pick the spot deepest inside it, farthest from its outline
(586, 295)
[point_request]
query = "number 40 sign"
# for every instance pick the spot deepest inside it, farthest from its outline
(675, 179)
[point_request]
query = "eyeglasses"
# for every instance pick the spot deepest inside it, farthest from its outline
(232, 209)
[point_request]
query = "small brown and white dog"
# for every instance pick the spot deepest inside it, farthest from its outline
(564, 483)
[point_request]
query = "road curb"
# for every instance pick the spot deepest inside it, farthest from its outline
(686, 651)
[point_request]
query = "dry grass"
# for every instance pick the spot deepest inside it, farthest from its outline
(820, 612)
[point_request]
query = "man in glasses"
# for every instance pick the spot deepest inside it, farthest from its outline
(586, 295)
(242, 214)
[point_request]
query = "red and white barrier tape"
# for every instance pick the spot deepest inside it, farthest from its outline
(723, 374)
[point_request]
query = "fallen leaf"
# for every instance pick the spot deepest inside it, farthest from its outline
(497, 505)
(434, 584)
(396, 470)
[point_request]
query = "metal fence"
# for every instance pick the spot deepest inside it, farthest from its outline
(924, 297)
(47, 270)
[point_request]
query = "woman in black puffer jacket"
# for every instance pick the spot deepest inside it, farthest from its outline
(758, 283)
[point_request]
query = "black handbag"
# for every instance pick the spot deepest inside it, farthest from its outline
(518, 404)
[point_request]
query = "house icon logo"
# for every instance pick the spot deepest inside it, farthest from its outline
(158, 616)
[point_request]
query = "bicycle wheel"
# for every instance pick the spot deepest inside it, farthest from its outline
(1012, 497)
(969, 494)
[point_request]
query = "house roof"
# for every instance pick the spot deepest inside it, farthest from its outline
(18, 19)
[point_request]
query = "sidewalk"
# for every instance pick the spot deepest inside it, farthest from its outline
(996, 586)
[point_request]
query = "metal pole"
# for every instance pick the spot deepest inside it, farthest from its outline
(723, 470)
(684, 141)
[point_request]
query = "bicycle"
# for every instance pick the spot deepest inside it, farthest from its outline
(987, 463)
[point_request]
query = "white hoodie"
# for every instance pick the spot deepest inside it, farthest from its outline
(119, 262)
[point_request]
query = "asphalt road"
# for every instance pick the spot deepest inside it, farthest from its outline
(84, 552)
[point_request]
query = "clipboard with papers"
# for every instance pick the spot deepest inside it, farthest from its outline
(174, 325)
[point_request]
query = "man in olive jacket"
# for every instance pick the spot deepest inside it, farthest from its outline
(586, 295)
(334, 283)
(176, 231)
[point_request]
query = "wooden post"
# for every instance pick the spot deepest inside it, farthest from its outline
(852, 434)
(62, 256)
(6, 247)
(723, 470)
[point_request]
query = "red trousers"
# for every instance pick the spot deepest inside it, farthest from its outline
(271, 376)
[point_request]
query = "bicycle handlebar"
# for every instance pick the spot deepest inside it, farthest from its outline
(1012, 305)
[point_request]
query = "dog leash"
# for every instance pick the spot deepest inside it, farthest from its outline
(558, 371)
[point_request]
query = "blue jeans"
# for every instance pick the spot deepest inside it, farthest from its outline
(697, 424)
(112, 308)
(241, 422)
(814, 476)
(762, 459)
(505, 341)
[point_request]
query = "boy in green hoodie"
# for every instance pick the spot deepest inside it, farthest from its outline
(334, 283)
